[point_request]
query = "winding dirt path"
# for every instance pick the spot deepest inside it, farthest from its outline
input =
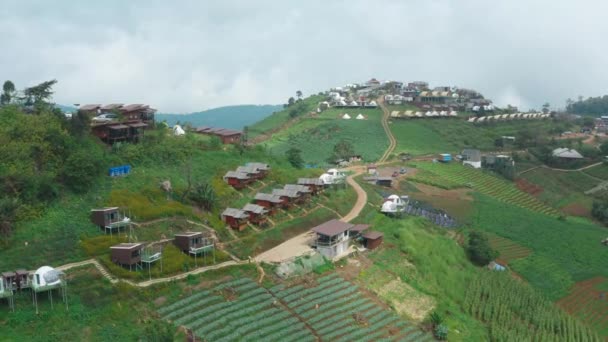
(387, 130)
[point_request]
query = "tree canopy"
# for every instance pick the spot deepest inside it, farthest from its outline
(595, 106)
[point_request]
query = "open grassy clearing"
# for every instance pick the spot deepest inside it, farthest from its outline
(508, 249)
(431, 136)
(562, 189)
(316, 136)
(600, 171)
(280, 118)
(586, 302)
(487, 184)
(332, 309)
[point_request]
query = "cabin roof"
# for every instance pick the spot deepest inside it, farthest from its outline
(331, 228)
(296, 187)
(189, 234)
(287, 193)
(373, 235)
(130, 246)
(267, 197)
(360, 227)
(236, 174)
(106, 209)
(310, 181)
(233, 212)
(254, 208)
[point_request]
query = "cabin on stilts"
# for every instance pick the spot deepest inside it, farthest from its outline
(110, 219)
(195, 244)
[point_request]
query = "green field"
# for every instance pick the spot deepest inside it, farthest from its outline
(242, 310)
(600, 171)
(282, 117)
(485, 183)
(560, 189)
(433, 136)
(317, 136)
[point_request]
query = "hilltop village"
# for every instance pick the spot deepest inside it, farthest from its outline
(379, 211)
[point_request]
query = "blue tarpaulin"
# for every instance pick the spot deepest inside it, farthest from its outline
(120, 170)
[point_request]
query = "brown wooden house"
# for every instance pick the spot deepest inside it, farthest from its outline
(237, 180)
(257, 213)
(228, 136)
(235, 218)
(126, 254)
(109, 217)
(252, 172)
(90, 109)
(315, 185)
(268, 201)
(288, 197)
(138, 112)
(112, 132)
(303, 192)
(192, 242)
(263, 168)
(372, 239)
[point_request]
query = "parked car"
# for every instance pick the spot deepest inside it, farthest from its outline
(105, 117)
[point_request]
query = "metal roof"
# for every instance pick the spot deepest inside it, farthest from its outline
(189, 234)
(236, 213)
(128, 246)
(267, 197)
(359, 228)
(254, 208)
(247, 169)
(259, 166)
(89, 107)
(373, 235)
(120, 126)
(138, 124)
(112, 106)
(331, 228)
(236, 174)
(287, 193)
(296, 187)
(133, 107)
(310, 181)
(567, 153)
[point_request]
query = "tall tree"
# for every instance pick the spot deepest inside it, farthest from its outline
(342, 150)
(294, 156)
(299, 94)
(39, 94)
(291, 101)
(546, 106)
(8, 91)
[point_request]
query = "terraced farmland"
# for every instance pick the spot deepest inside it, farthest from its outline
(332, 310)
(508, 249)
(588, 302)
(487, 184)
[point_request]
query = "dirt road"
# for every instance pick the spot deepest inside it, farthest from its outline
(387, 130)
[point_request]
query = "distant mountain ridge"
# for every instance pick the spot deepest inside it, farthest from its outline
(233, 117)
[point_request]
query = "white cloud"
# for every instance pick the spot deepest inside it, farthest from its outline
(188, 55)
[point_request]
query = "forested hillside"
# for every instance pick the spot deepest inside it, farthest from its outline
(233, 117)
(595, 106)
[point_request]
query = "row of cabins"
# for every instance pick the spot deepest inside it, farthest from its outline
(133, 254)
(332, 238)
(267, 204)
(227, 136)
(132, 120)
(516, 116)
(410, 114)
(245, 175)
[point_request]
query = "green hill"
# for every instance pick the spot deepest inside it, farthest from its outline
(235, 117)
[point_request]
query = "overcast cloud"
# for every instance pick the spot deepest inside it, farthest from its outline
(183, 56)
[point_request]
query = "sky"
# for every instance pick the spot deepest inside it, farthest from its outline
(185, 56)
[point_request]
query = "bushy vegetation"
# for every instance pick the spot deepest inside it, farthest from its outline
(278, 119)
(479, 250)
(514, 311)
(595, 106)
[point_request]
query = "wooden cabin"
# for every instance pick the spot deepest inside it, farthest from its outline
(303, 192)
(237, 180)
(252, 172)
(22, 279)
(372, 239)
(315, 185)
(109, 218)
(263, 168)
(10, 280)
(112, 132)
(192, 242)
(288, 197)
(235, 218)
(268, 201)
(257, 213)
(227, 136)
(126, 254)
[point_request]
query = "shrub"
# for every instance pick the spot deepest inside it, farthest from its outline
(101, 244)
(436, 318)
(479, 249)
(441, 332)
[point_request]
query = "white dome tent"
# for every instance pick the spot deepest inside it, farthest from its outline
(178, 130)
(333, 176)
(394, 204)
(360, 117)
(346, 116)
(48, 279)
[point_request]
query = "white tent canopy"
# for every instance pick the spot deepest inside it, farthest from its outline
(346, 116)
(178, 130)
(360, 117)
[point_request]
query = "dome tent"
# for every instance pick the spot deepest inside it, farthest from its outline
(178, 130)
(360, 117)
(346, 116)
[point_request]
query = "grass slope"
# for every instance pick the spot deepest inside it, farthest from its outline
(280, 118)
(234, 117)
(316, 136)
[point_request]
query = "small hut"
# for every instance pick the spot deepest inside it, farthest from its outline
(288, 197)
(22, 279)
(372, 169)
(237, 180)
(252, 172)
(127, 254)
(109, 218)
(268, 201)
(315, 185)
(303, 191)
(257, 213)
(263, 168)
(235, 218)
(6, 291)
(372, 239)
(195, 244)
